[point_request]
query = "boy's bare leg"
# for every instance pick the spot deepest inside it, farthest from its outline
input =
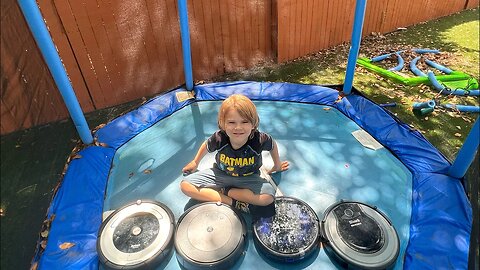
(204, 194)
(246, 195)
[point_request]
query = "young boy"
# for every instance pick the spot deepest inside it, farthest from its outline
(235, 178)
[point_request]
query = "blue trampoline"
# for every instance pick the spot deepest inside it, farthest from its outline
(146, 149)
(341, 146)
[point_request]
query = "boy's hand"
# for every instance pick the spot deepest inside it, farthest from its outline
(283, 166)
(190, 167)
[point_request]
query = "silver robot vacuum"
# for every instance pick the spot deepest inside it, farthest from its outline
(210, 236)
(136, 236)
(359, 235)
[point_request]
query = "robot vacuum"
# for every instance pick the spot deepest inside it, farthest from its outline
(291, 235)
(359, 235)
(136, 236)
(210, 236)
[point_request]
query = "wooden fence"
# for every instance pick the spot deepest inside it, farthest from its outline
(118, 51)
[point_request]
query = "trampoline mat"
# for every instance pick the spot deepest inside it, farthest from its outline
(327, 164)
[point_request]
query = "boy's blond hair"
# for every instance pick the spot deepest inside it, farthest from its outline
(243, 105)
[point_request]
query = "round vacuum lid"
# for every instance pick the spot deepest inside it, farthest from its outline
(360, 235)
(210, 234)
(135, 235)
(291, 234)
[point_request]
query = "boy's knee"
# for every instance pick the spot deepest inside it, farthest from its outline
(185, 187)
(266, 199)
(270, 199)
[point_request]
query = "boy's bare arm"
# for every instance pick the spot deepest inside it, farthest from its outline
(192, 165)
(278, 165)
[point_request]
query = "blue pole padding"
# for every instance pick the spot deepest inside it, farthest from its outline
(463, 108)
(47, 48)
(426, 51)
(414, 69)
(438, 66)
(401, 63)
(458, 92)
(466, 154)
(185, 35)
(355, 47)
(421, 105)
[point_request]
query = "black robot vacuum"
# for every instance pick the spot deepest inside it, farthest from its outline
(136, 236)
(359, 235)
(291, 235)
(210, 236)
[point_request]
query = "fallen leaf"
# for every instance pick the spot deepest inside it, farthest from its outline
(147, 171)
(66, 245)
(458, 127)
(467, 120)
(44, 234)
(34, 266)
(326, 109)
(100, 126)
(43, 244)
(458, 134)
(76, 156)
(130, 175)
(101, 144)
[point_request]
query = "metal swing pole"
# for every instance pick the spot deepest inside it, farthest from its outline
(186, 51)
(467, 153)
(355, 47)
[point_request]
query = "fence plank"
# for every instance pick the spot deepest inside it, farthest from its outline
(171, 31)
(216, 25)
(291, 29)
(226, 35)
(324, 24)
(160, 65)
(9, 122)
(24, 77)
(61, 40)
(472, 4)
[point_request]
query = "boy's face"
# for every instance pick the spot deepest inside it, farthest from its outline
(238, 129)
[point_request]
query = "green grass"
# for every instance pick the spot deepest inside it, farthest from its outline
(457, 38)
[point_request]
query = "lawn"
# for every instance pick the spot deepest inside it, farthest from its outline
(455, 36)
